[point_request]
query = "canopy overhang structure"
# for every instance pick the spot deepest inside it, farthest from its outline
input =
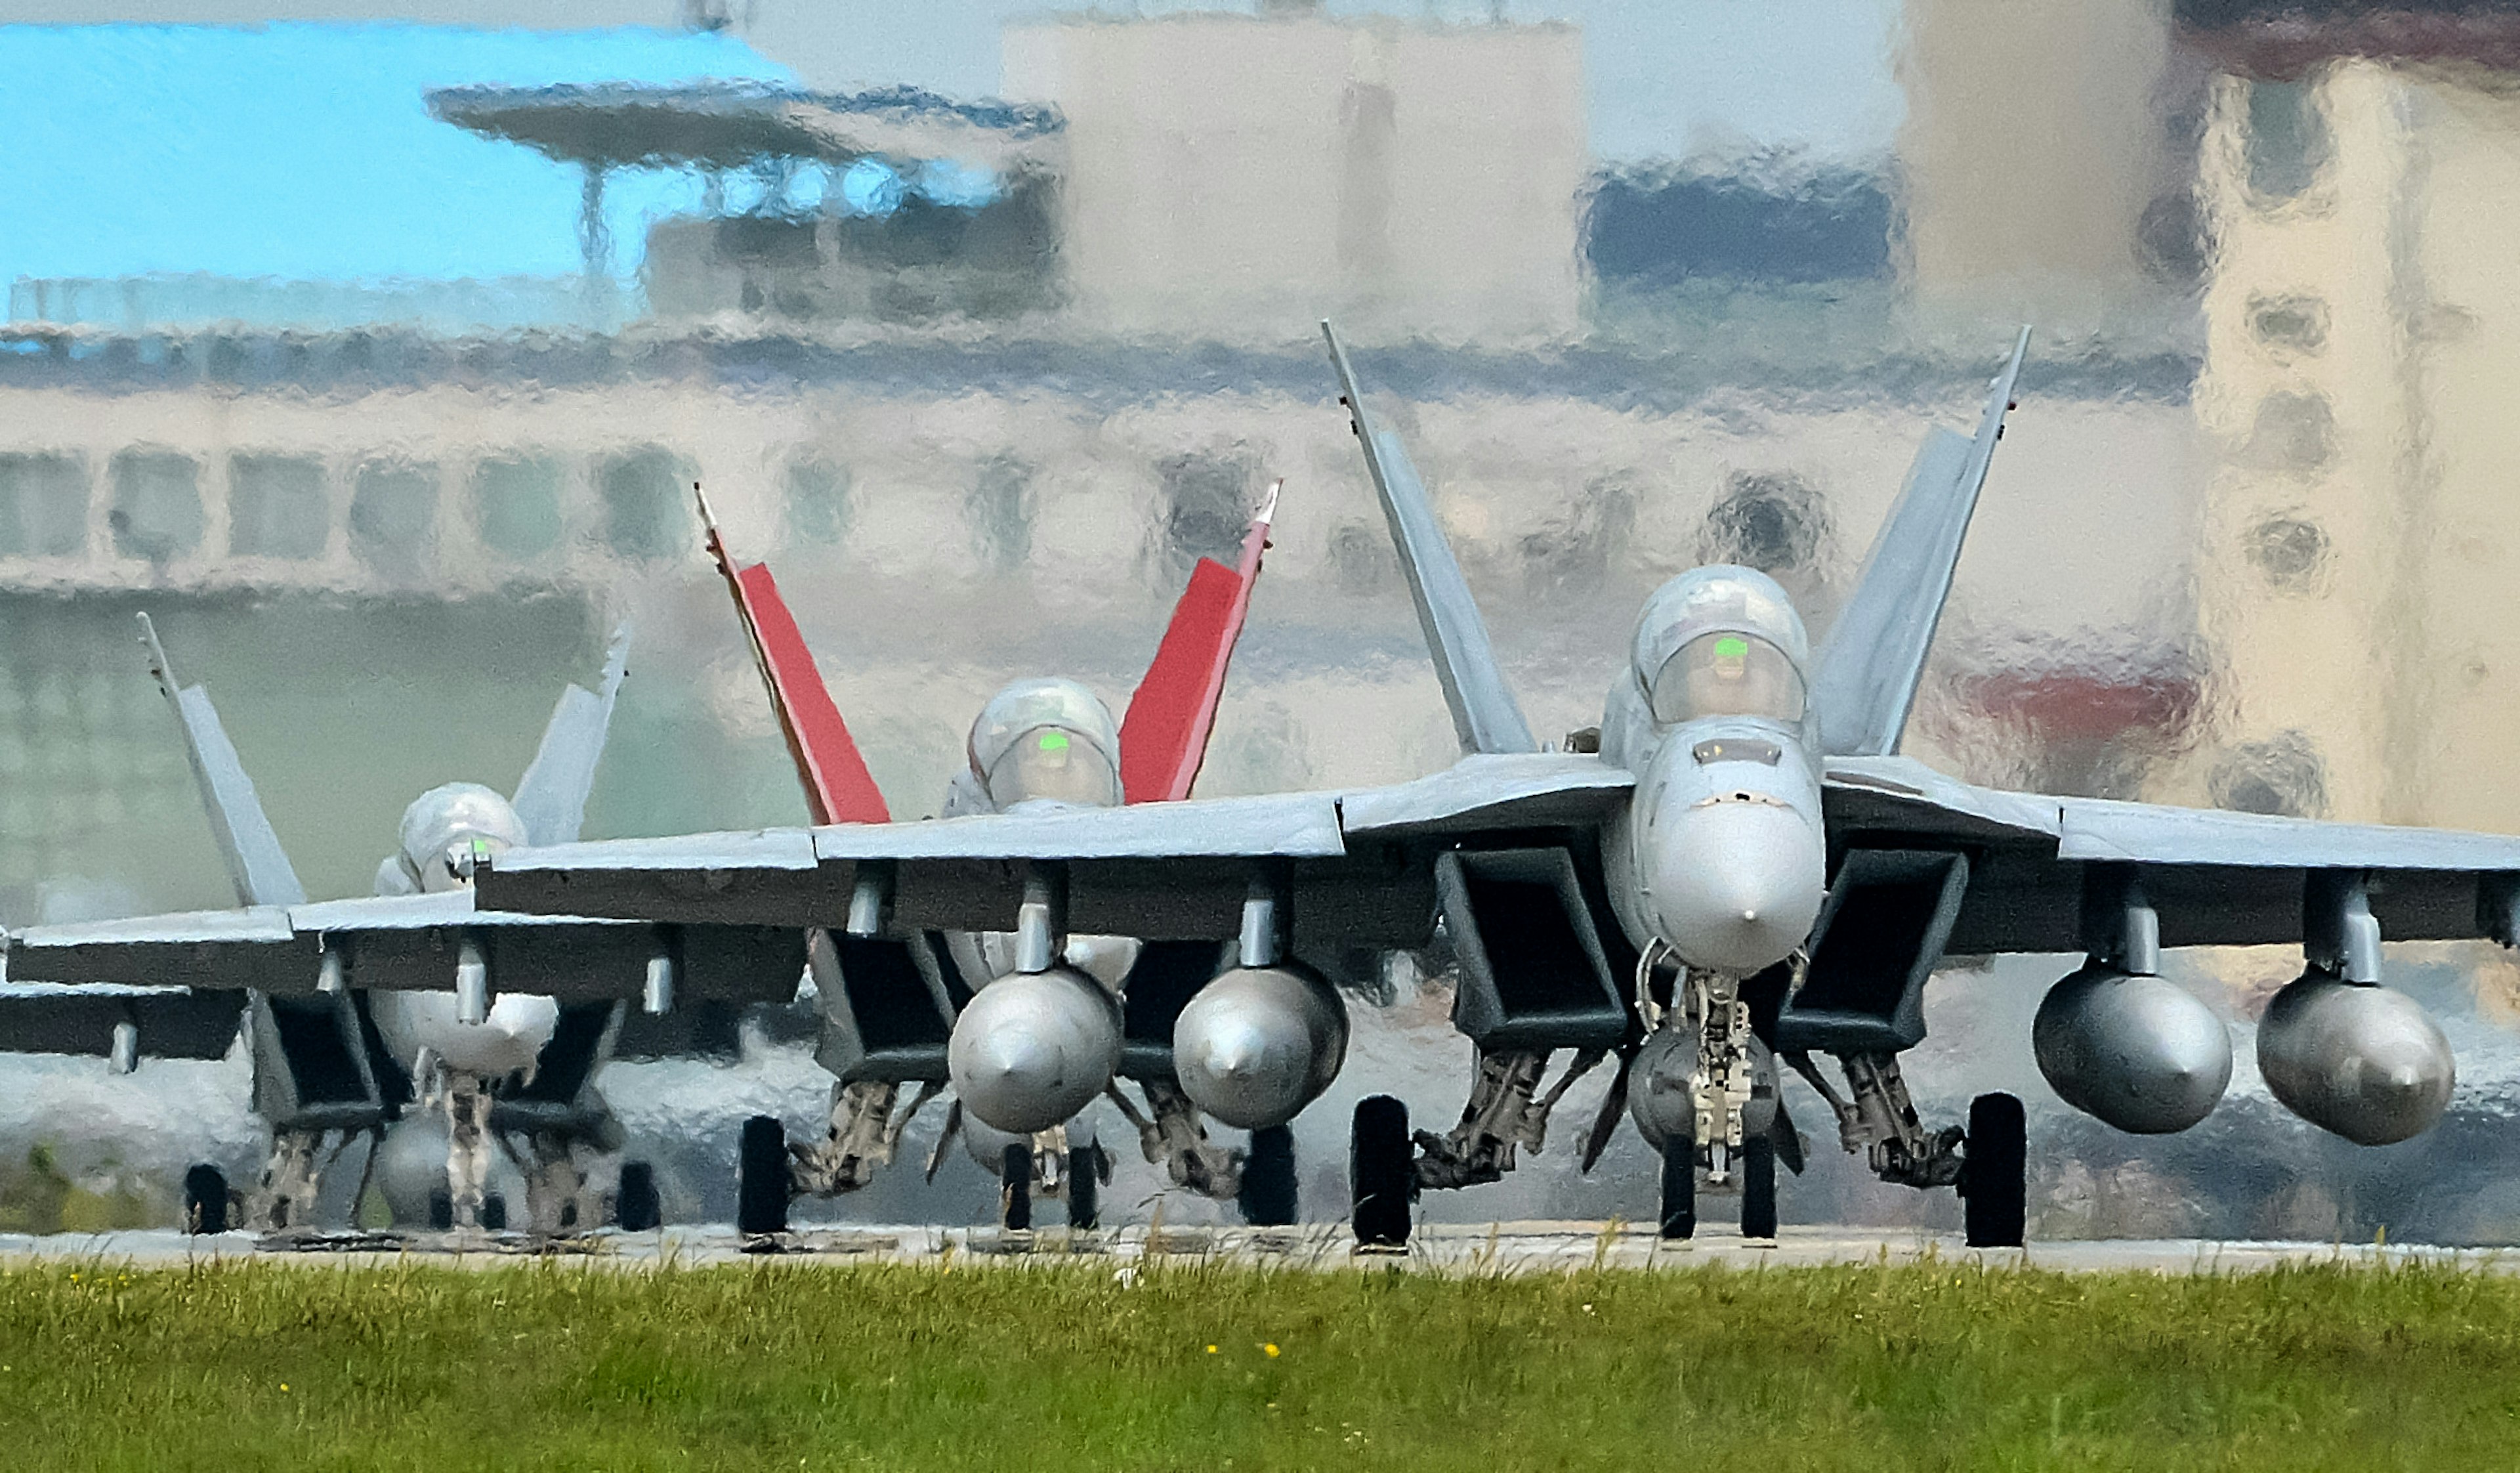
(727, 126)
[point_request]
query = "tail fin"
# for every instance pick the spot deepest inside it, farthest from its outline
(1163, 739)
(1875, 655)
(550, 797)
(256, 863)
(838, 789)
(1484, 714)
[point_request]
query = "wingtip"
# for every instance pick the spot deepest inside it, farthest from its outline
(1268, 513)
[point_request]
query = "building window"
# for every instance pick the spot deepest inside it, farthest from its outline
(2290, 551)
(643, 494)
(2293, 431)
(1207, 501)
(2292, 324)
(277, 508)
(1773, 521)
(1001, 511)
(2288, 143)
(516, 503)
(818, 503)
(157, 505)
(43, 506)
(393, 517)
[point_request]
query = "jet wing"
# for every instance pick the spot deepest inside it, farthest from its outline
(2214, 878)
(256, 864)
(1163, 738)
(550, 797)
(1868, 669)
(406, 942)
(838, 789)
(1360, 860)
(1485, 715)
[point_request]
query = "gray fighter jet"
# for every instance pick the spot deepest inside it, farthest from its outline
(355, 1010)
(1737, 868)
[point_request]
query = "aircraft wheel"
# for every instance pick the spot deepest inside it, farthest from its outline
(1084, 1186)
(1268, 1197)
(441, 1210)
(761, 1183)
(1994, 1175)
(1381, 1173)
(1679, 1188)
(1014, 1188)
(1758, 1187)
(494, 1213)
(205, 1200)
(636, 1206)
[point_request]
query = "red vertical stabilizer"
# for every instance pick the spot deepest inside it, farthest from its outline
(838, 786)
(1164, 737)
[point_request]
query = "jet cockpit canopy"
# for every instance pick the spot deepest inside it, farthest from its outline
(1722, 641)
(1047, 740)
(448, 831)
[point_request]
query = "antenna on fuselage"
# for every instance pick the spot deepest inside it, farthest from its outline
(1484, 714)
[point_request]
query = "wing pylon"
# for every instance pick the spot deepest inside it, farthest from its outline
(1868, 670)
(1163, 739)
(838, 789)
(1485, 715)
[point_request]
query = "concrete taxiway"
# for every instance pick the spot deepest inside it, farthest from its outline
(1499, 1248)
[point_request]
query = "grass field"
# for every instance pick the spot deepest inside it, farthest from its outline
(975, 1368)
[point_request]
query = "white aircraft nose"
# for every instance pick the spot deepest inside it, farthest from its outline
(1737, 883)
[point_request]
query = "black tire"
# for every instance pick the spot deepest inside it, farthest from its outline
(441, 1210)
(1994, 1173)
(494, 1213)
(1382, 1172)
(1679, 1188)
(205, 1200)
(1268, 1197)
(1758, 1187)
(762, 1181)
(1084, 1186)
(636, 1206)
(1014, 1188)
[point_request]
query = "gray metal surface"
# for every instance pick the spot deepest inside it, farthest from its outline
(2151, 833)
(550, 797)
(1875, 654)
(1291, 825)
(1485, 714)
(1500, 790)
(256, 863)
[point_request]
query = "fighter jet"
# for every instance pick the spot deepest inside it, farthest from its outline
(1027, 1052)
(1739, 866)
(355, 1009)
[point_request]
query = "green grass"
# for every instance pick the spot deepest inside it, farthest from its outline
(975, 1368)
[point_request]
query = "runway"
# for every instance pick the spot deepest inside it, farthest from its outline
(1504, 1248)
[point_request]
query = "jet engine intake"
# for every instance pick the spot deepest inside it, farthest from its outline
(2134, 1051)
(1257, 1045)
(1032, 1048)
(2358, 1059)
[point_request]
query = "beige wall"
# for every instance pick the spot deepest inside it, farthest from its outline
(1242, 177)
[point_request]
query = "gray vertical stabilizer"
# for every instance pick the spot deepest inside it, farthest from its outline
(550, 797)
(256, 863)
(1875, 655)
(1484, 712)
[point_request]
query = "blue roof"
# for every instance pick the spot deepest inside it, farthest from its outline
(306, 150)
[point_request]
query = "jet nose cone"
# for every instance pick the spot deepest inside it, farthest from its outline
(1737, 883)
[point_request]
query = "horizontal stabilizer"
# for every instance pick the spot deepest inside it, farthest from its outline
(1484, 714)
(256, 864)
(1868, 672)
(550, 797)
(838, 789)
(1163, 739)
